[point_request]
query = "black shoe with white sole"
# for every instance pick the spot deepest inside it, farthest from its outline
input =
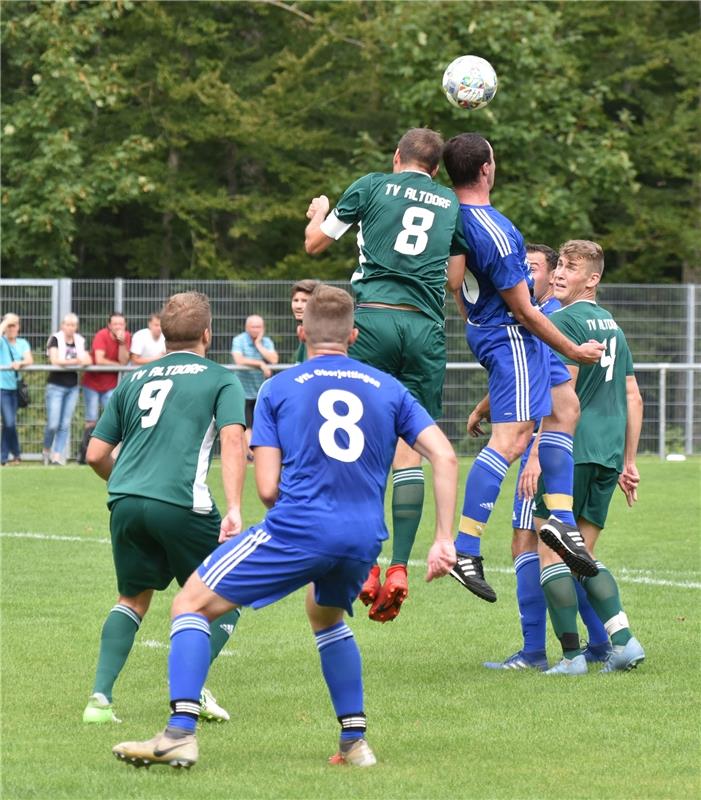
(469, 572)
(567, 542)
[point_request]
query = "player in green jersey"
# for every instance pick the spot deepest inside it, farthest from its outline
(408, 228)
(605, 447)
(163, 521)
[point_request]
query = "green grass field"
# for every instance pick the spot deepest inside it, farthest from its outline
(441, 725)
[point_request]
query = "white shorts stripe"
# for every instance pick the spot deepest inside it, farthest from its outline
(235, 556)
(518, 351)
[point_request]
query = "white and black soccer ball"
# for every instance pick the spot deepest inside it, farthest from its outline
(469, 82)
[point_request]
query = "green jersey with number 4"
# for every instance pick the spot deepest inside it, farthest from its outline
(601, 387)
(167, 415)
(408, 226)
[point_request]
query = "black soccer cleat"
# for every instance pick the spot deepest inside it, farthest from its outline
(567, 542)
(469, 572)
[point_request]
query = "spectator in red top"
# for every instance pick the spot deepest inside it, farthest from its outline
(110, 346)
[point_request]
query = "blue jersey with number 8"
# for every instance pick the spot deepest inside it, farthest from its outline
(336, 422)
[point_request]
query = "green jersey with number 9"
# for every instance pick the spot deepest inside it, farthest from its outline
(408, 226)
(167, 415)
(601, 387)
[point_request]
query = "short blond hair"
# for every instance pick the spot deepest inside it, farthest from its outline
(184, 318)
(328, 316)
(584, 250)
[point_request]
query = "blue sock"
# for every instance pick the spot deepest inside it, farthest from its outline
(531, 602)
(188, 665)
(342, 669)
(557, 463)
(596, 633)
(481, 492)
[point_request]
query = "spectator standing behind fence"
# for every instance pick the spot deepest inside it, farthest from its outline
(149, 343)
(16, 353)
(65, 348)
(301, 292)
(110, 347)
(254, 349)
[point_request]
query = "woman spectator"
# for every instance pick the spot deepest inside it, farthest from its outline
(16, 353)
(65, 348)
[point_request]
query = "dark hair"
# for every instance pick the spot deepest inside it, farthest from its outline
(421, 146)
(551, 255)
(464, 155)
(306, 285)
(184, 318)
(155, 315)
(116, 314)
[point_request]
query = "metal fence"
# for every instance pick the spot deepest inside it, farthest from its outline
(662, 324)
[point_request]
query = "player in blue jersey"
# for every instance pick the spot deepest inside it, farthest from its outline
(524, 544)
(508, 334)
(325, 432)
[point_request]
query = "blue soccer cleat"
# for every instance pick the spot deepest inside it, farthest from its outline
(625, 657)
(597, 652)
(569, 666)
(521, 660)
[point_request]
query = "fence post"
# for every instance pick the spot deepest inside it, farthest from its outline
(662, 430)
(690, 345)
(118, 295)
(65, 299)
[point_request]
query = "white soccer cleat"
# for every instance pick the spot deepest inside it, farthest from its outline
(210, 710)
(162, 749)
(358, 754)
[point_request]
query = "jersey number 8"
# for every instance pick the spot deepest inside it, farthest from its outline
(345, 422)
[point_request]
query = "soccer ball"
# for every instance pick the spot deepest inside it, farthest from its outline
(469, 82)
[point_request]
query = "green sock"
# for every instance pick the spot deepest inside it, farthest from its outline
(603, 595)
(116, 642)
(407, 505)
(221, 628)
(561, 597)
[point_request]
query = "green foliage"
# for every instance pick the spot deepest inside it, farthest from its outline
(158, 139)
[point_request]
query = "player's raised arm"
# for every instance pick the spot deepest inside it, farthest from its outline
(518, 299)
(433, 445)
(315, 240)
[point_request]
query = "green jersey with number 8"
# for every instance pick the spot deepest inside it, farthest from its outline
(408, 226)
(601, 387)
(167, 415)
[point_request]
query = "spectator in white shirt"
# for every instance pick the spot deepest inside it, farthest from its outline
(148, 344)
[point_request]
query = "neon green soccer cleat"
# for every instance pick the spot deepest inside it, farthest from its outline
(99, 710)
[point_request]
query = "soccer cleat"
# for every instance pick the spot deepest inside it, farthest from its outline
(567, 542)
(371, 587)
(393, 592)
(625, 657)
(569, 666)
(597, 652)
(99, 710)
(357, 754)
(162, 749)
(210, 710)
(521, 660)
(469, 572)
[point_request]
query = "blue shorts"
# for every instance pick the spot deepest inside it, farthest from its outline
(255, 569)
(558, 371)
(522, 516)
(518, 366)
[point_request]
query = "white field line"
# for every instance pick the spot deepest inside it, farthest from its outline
(646, 577)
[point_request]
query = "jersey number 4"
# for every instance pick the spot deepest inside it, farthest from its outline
(608, 358)
(151, 399)
(344, 422)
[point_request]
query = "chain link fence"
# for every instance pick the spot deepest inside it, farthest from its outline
(662, 324)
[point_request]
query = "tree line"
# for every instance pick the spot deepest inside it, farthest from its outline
(185, 139)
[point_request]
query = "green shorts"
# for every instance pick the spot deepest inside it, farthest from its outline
(408, 345)
(154, 542)
(594, 486)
